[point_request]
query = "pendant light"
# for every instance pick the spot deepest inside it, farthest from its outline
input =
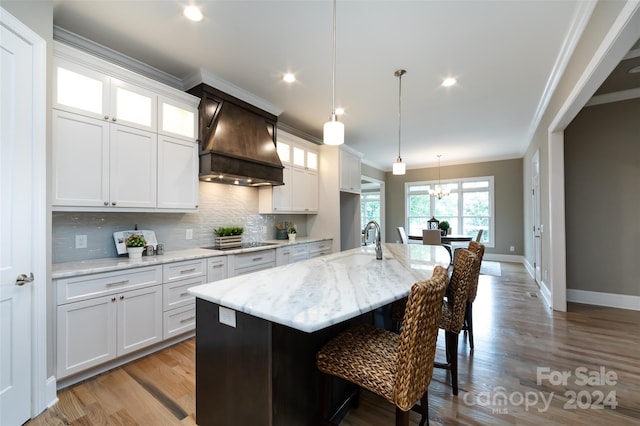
(333, 132)
(399, 168)
(439, 192)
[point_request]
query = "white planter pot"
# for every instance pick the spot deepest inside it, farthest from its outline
(135, 252)
(292, 237)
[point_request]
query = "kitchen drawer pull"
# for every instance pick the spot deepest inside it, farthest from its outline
(185, 271)
(118, 283)
(219, 265)
(255, 259)
(186, 293)
(187, 319)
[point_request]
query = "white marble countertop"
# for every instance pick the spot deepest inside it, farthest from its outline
(316, 293)
(92, 266)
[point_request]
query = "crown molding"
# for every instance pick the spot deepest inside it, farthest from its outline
(114, 57)
(204, 76)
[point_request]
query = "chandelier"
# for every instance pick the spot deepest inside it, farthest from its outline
(439, 192)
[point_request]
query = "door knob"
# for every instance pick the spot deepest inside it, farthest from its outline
(23, 278)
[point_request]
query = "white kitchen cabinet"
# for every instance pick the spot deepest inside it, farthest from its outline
(216, 268)
(350, 179)
(100, 317)
(299, 194)
(177, 173)
(320, 248)
(244, 263)
(106, 149)
(87, 92)
(96, 164)
(178, 309)
(291, 254)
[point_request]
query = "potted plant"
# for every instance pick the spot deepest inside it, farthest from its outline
(291, 232)
(228, 236)
(135, 245)
(444, 227)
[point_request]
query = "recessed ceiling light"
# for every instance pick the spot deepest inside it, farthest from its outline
(634, 70)
(193, 13)
(289, 77)
(339, 111)
(448, 82)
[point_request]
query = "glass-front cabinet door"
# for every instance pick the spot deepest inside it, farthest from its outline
(133, 106)
(176, 119)
(80, 90)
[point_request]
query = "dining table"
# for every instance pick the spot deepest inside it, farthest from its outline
(445, 241)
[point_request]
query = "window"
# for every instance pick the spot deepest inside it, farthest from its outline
(468, 208)
(369, 208)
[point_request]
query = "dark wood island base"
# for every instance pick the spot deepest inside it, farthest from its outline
(260, 372)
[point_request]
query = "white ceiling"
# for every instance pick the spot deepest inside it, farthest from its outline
(503, 54)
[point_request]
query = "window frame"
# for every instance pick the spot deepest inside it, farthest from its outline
(458, 225)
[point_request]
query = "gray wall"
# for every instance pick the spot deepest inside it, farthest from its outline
(220, 205)
(372, 172)
(508, 199)
(602, 197)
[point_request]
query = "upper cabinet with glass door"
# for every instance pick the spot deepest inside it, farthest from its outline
(87, 92)
(296, 152)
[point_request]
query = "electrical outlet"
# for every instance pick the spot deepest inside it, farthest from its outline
(81, 241)
(189, 234)
(512, 248)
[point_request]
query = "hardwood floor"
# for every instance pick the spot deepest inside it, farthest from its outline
(515, 335)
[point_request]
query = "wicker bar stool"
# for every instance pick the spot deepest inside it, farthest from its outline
(396, 367)
(453, 310)
(477, 249)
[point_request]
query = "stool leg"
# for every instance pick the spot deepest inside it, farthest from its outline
(402, 417)
(469, 320)
(424, 409)
(452, 343)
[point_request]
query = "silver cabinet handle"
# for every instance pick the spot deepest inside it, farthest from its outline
(24, 278)
(185, 271)
(186, 293)
(219, 265)
(187, 319)
(255, 259)
(118, 283)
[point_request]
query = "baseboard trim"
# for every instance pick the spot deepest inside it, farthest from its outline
(611, 300)
(503, 257)
(50, 392)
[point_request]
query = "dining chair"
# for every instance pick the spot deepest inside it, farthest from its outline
(479, 235)
(403, 235)
(453, 311)
(431, 237)
(477, 249)
(396, 367)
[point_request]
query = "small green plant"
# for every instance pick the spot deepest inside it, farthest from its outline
(291, 230)
(135, 240)
(444, 225)
(228, 231)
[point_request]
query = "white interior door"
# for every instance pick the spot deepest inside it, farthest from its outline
(16, 183)
(535, 193)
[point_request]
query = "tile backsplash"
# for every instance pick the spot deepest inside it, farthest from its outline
(220, 205)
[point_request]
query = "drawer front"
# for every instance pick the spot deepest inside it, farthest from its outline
(176, 293)
(246, 260)
(90, 286)
(216, 268)
(181, 270)
(178, 321)
(320, 248)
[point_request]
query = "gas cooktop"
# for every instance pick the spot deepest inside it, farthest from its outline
(243, 246)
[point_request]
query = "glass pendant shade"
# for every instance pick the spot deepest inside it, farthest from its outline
(333, 132)
(399, 168)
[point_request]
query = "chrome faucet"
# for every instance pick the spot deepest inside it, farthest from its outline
(378, 245)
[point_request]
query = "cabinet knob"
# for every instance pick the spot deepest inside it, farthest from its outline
(121, 297)
(113, 203)
(113, 299)
(106, 117)
(106, 203)
(113, 119)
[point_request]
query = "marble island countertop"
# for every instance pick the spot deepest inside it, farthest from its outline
(316, 293)
(92, 266)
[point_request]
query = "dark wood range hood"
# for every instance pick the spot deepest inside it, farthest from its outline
(237, 140)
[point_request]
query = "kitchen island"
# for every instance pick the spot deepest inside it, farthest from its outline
(257, 335)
